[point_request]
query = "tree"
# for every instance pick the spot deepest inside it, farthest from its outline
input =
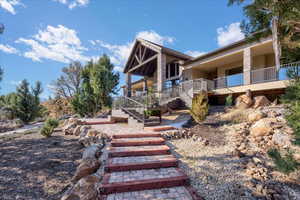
(279, 17)
(104, 81)
(67, 85)
(99, 82)
(27, 103)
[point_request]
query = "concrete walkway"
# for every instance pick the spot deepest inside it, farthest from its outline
(140, 166)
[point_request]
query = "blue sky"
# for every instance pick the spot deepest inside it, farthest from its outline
(42, 36)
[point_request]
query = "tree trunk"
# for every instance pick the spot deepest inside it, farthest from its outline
(276, 42)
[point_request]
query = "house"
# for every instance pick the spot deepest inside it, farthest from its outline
(232, 69)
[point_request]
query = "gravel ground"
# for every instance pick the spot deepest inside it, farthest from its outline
(214, 172)
(34, 167)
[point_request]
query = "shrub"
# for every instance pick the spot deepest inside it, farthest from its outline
(292, 99)
(229, 100)
(152, 113)
(285, 164)
(236, 116)
(49, 127)
(199, 108)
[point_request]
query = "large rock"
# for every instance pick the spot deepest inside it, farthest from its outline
(77, 130)
(244, 101)
(281, 139)
(255, 116)
(261, 101)
(84, 130)
(85, 189)
(262, 127)
(69, 128)
(86, 167)
(92, 133)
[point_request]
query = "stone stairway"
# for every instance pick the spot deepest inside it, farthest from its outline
(140, 166)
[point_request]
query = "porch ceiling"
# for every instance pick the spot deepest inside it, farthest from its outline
(211, 66)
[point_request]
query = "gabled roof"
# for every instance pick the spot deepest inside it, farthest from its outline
(157, 48)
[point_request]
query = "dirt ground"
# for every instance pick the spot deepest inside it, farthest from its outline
(34, 167)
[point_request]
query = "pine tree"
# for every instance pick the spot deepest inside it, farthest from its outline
(27, 101)
(279, 17)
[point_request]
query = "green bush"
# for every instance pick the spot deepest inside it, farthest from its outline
(292, 100)
(199, 108)
(49, 127)
(152, 112)
(229, 100)
(285, 164)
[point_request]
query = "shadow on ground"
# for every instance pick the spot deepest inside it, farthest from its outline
(34, 167)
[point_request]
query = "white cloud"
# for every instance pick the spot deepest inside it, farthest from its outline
(120, 53)
(74, 3)
(55, 43)
(229, 34)
(8, 49)
(15, 83)
(9, 5)
(195, 53)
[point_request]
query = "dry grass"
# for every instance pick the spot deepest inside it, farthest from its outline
(236, 115)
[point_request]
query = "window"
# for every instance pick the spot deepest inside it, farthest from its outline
(172, 70)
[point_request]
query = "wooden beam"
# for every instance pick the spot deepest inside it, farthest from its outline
(144, 52)
(143, 63)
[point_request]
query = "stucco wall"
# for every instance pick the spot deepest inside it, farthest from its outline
(221, 69)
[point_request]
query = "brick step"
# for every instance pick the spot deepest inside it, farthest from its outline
(138, 151)
(159, 128)
(143, 180)
(174, 193)
(140, 162)
(137, 141)
(137, 135)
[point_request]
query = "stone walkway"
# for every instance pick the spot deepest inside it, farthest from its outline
(140, 166)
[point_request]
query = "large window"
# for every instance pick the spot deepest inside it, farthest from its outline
(172, 70)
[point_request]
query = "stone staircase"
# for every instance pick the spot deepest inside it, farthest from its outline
(140, 166)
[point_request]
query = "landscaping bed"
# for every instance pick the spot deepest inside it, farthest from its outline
(35, 167)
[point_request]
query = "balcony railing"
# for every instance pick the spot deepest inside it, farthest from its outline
(263, 75)
(229, 81)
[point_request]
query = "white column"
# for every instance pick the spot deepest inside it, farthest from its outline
(247, 60)
(128, 85)
(161, 71)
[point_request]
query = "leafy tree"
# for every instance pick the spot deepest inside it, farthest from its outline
(67, 85)
(27, 105)
(279, 17)
(99, 82)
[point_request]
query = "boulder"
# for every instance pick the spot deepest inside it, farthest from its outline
(77, 131)
(84, 130)
(86, 167)
(261, 101)
(244, 101)
(92, 133)
(281, 139)
(69, 128)
(262, 127)
(85, 189)
(255, 116)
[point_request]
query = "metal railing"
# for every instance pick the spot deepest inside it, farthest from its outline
(130, 106)
(229, 81)
(263, 75)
